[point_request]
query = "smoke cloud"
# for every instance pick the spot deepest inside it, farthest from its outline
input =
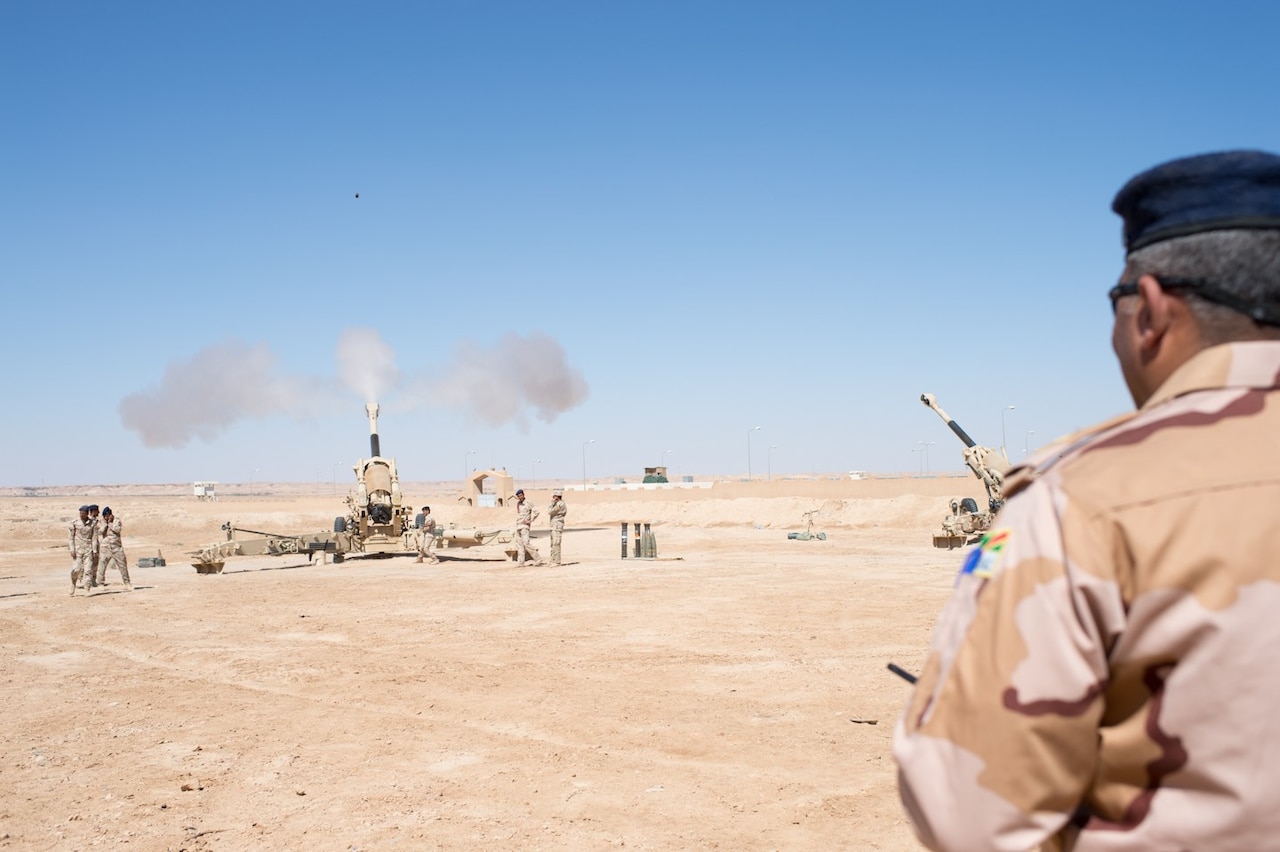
(204, 396)
(366, 364)
(497, 385)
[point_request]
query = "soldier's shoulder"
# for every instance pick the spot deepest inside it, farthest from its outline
(1060, 452)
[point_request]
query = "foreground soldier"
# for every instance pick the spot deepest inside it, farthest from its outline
(556, 511)
(1104, 674)
(525, 516)
(82, 541)
(111, 549)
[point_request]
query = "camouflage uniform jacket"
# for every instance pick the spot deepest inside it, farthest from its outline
(109, 535)
(82, 537)
(1104, 676)
(556, 512)
(525, 515)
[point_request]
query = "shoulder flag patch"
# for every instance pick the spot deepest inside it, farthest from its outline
(981, 561)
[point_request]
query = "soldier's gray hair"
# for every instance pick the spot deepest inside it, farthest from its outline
(1244, 263)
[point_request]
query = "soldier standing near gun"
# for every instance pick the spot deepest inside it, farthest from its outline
(556, 512)
(111, 549)
(1104, 674)
(81, 538)
(427, 537)
(95, 575)
(525, 516)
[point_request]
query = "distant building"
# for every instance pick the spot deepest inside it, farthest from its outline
(205, 490)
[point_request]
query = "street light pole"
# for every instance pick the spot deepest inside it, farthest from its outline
(584, 464)
(1025, 442)
(664, 458)
(772, 447)
(1002, 444)
(926, 445)
(919, 458)
(749, 431)
(465, 469)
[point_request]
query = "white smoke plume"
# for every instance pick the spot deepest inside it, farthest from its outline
(203, 396)
(366, 364)
(496, 385)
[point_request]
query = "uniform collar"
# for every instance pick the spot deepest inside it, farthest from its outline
(1249, 364)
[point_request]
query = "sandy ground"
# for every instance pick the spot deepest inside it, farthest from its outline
(730, 695)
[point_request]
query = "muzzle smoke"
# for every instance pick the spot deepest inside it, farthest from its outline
(496, 385)
(366, 364)
(205, 395)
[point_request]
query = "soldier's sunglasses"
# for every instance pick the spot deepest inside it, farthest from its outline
(1202, 288)
(1130, 288)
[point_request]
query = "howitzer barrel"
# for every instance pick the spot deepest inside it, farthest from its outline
(372, 410)
(929, 400)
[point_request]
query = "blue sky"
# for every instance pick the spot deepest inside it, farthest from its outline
(704, 216)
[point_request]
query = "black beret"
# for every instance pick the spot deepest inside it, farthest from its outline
(93, 507)
(1208, 192)
(84, 508)
(106, 510)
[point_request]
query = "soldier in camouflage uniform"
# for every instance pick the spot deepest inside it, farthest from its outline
(427, 537)
(82, 539)
(95, 574)
(111, 549)
(1104, 675)
(556, 512)
(525, 516)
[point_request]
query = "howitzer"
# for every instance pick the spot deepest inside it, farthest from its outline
(966, 524)
(378, 522)
(987, 464)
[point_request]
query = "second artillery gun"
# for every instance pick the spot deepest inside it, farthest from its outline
(967, 522)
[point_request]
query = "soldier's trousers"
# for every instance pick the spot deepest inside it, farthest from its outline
(427, 546)
(524, 550)
(82, 571)
(108, 557)
(557, 533)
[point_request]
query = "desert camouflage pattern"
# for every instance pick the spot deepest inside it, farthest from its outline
(1104, 675)
(556, 512)
(83, 542)
(93, 519)
(111, 551)
(525, 516)
(427, 540)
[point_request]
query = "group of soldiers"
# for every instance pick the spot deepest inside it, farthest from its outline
(95, 544)
(525, 516)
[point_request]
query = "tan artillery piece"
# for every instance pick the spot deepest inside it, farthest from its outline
(377, 522)
(967, 523)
